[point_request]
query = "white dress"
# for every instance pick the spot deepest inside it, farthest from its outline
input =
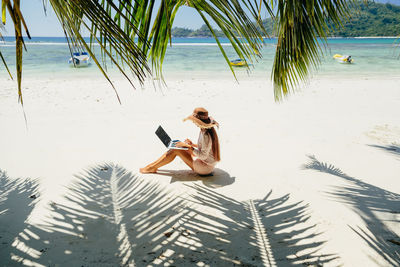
(205, 162)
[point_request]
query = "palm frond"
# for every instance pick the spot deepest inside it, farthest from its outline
(98, 19)
(5, 65)
(299, 25)
(230, 16)
(18, 44)
(3, 11)
(132, 33)
(14, 11)
(244, 35)
(1, 55)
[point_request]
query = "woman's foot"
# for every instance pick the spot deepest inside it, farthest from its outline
(148, 170)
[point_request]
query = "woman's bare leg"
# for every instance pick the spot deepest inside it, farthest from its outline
(166, 158)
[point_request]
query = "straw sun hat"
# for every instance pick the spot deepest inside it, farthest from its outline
(201, 119)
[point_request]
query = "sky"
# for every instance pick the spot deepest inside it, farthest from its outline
(42, 25)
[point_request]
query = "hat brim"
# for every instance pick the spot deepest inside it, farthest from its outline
(201, 123)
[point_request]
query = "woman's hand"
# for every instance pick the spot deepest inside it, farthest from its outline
(190, 143)
(187, 141)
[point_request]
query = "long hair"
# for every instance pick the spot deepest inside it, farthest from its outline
(215, 143)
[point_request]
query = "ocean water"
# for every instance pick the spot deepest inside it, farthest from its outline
(48, 56)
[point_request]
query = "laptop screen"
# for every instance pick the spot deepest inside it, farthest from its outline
(163, 136)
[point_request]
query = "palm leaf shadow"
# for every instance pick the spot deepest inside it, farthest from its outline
(251, 231)
(221, 228)
(293, 240)
(89, 228)
(112, 217)
(393, 149)
(17, 199)
(368, 200)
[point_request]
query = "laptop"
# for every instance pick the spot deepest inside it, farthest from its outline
(164, 137)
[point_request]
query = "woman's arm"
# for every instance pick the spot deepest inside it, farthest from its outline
(188, 141)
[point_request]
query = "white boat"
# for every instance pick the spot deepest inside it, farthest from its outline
(80, 59)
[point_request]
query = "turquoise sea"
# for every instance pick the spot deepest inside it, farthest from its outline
(48, 56)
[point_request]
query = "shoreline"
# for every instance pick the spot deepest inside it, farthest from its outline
(241, 74)
(212, 38)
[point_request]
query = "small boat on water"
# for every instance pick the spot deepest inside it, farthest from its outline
(343, 58)
(80, 59)
(238, 63)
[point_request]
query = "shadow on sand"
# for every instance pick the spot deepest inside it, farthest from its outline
(111, 217)
(293, 240)
(219, 178)
(17, 199)
(393, 149)
(368, 201)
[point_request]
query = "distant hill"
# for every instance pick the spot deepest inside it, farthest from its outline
(372, 19)
(202, 32)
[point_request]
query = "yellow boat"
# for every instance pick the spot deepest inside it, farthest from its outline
(238, 63)
(343, 58)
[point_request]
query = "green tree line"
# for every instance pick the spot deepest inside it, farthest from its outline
(371, 19)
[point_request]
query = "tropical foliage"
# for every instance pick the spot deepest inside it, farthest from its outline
(372, 19)
(134, 35)
(203, 31)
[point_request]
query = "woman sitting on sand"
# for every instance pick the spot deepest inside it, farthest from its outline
(202, 157)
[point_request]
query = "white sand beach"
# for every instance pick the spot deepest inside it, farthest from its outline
(313, 180)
